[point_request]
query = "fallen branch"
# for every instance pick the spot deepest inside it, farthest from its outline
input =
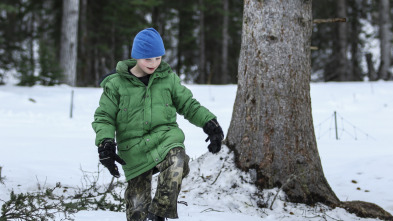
(218, 174)
(290, 179)
(329, 20)
(42, 205)
(210, 210)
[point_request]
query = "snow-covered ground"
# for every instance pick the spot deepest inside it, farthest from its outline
(41, 145)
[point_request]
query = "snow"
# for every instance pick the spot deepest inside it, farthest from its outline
(41, 145)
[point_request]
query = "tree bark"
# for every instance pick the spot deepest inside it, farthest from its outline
(202, 49)
(225, 78)
(69, 40)
(341, 58)
(30, 46)
(372, 75)
(85, 69)
(385, 38)
(271, 130)
(180, 41)
(337, 68)
(356, 55)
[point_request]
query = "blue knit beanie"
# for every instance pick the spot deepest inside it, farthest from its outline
(147, 44)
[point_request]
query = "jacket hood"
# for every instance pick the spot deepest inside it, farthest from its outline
(122, 68)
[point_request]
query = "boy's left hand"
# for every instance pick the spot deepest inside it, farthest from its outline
(216, 135)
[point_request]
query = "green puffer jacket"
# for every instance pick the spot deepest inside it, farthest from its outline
(143, 118)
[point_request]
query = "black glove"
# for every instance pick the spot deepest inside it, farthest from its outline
(214, 131)
(108, 156)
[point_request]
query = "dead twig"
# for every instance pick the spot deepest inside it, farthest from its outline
(290, 179)
(218, 174)
(329, 20)
(211, 210)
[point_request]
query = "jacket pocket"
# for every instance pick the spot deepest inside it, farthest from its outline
(133, 154)
(128, 145)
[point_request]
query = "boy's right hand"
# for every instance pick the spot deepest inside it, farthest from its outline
(108, 156)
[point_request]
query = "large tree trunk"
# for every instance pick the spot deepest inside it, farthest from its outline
(69, 40)
(385, 37)
(272, 131)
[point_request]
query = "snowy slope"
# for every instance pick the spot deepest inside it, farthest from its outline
(42, 145)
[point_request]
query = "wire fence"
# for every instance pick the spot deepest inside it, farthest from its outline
(336, 126)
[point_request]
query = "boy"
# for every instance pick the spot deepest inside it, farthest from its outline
(139, 105)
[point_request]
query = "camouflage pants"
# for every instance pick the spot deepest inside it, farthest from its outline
(138, 193)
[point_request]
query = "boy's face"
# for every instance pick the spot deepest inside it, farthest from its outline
(149, 65)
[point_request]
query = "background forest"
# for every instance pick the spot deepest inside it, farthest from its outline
(202, 39)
